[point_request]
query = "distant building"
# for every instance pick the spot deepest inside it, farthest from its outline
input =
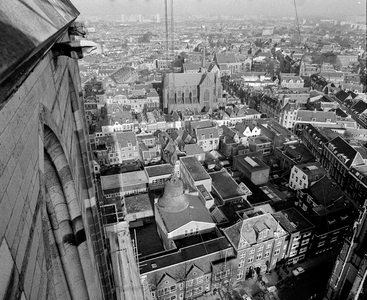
(197, 91)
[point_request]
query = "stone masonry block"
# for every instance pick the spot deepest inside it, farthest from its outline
(14, 184)
(36, 283)
(8, 110)
(29, 272)
(24, 237)
(18, 234)
(13, 224)
(6, 266)
(5, 214)
(7, 145)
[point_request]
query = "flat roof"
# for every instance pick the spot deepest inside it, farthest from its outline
(158, 170)
(184, 254)
(138, 203)
(123, 180)
(251, 162)
(292, 221)
(225, 185)
(195, 168)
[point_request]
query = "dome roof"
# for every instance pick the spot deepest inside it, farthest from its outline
(173, 199)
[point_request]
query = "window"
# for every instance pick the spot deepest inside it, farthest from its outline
(334, 239)
(181, 286)
(252, 251)
(172, 289)
(321, 244)
(267, 254)
(153, 294)
(277, 251)
(200, 279)
(261, 248)
(305, 242)
(241, 264)
(268, 246)
(307, 234)
(243, 254)
(239, 275)
(189, 282)
(293, 253)
(250, 259)
(302, 250)
(259, 256)
(188, 293)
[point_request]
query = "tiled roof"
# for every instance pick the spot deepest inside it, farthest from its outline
(206, 133)
(126, 137)
(195, 212)
(319, 116)
(225, 58)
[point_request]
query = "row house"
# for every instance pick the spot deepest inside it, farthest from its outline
(329, 211)
(291, 81)
(260, 144)
(340, 159)
(207, 138)
(259, 242)
(293, 154)
(236, 116)
(118, 119)
(288, 115)
(150, 150)
(317, 118)
(157, 175)
(271, 107)
(186, 273)
(300, 233)
(120, 146)
(302, 176)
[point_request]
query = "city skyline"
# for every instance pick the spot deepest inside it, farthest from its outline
(305, 8)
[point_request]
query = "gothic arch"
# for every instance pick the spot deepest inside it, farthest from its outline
(65, 221)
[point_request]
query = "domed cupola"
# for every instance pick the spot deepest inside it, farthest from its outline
(173, 199)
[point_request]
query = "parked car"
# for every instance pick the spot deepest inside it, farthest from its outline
(298, 271)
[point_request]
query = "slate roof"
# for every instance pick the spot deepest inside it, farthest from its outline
(341, 146)
(225, 58)
(206, 132)
(126, 137)
(195, 212)
(173, 80)
(249, 229)
(320, 116)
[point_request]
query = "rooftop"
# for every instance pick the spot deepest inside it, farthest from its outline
(226, 187)
(194, 167)
(158, 170)
(123, 180)
(292, 221)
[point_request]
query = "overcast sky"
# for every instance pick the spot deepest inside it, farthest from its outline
(305, 8)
